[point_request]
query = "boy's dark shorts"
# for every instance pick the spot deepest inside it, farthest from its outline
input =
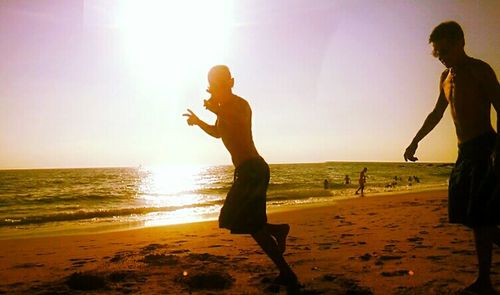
(473, 194)
(244, 210)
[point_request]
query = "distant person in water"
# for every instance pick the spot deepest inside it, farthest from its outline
(470, 87)
(244, 210)
(347, 179)
(362, 181)
(326, 184)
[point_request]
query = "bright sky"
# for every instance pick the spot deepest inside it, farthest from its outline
(104, 83)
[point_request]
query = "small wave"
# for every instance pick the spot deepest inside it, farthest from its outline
(83, 215)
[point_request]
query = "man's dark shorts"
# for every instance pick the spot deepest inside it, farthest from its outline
(473, 196)
(244, 210)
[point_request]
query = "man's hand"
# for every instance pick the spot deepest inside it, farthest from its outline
(192, 118)
(410, 152)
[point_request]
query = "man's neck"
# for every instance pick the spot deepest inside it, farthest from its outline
(463, 59)
(226, 97)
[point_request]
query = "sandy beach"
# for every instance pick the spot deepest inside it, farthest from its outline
(388, 244)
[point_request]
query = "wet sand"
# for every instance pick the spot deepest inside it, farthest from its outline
(390, 244)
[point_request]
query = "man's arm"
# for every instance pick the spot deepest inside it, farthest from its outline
(194, 120)
(430, 122)
(492, 88)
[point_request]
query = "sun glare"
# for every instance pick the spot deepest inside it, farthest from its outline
(166, 40)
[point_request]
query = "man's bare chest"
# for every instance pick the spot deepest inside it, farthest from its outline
(462, 91)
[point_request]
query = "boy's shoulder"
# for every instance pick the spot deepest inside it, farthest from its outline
(241, 102)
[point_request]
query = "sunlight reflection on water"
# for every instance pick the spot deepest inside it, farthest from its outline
(174, 186)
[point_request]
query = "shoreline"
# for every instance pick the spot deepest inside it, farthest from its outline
(271, 209)
(383, 244)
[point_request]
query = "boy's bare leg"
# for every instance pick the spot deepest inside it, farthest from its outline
(270, 247)
(484, 243)
(280, 233)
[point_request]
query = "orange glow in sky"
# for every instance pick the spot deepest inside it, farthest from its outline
(104, 83)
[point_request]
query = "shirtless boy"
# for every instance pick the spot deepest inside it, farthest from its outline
(244, 210)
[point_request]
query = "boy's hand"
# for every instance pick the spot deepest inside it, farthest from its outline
(192, 118)
(211, 105)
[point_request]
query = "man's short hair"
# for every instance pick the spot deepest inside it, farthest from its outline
(449, 30)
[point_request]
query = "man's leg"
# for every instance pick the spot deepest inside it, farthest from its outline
(270, 247)
(496, 236)
(279, 232)
(484, 243)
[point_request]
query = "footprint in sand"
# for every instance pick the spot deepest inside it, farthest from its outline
(119, 256)
(179, 251)
(396, 273)
(415, 239)
(207, 257)
(28, 265)
(436, 257)
(216, 246)
(79, 262)
(42, 254)
(160, 259)
(152, 247)
(464, 252)
(389, 257)
(326, 246)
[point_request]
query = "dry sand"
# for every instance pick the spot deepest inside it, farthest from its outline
(393, 244)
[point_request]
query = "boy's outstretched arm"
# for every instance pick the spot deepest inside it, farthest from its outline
(194, 120)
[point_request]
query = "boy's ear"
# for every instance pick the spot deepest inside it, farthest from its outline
(231, 83)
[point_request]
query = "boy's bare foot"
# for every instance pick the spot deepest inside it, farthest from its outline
(286, 279)
(280, 236)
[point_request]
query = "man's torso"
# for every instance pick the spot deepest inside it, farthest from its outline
(470, 107)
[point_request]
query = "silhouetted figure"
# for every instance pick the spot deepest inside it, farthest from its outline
(244, 210)
(470, 87)
(417, 180)
(347, 179)
(362, 181)
(326, 184)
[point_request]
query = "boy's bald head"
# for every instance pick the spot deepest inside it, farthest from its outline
(219, 73)
(220, 80)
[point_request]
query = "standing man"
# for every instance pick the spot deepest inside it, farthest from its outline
(362, 181)
(244, 210)
(470, 87)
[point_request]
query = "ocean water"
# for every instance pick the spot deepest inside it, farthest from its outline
(72, 201)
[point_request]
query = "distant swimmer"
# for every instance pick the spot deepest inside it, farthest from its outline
(347, 179)
(326, 184)
(362, 181)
